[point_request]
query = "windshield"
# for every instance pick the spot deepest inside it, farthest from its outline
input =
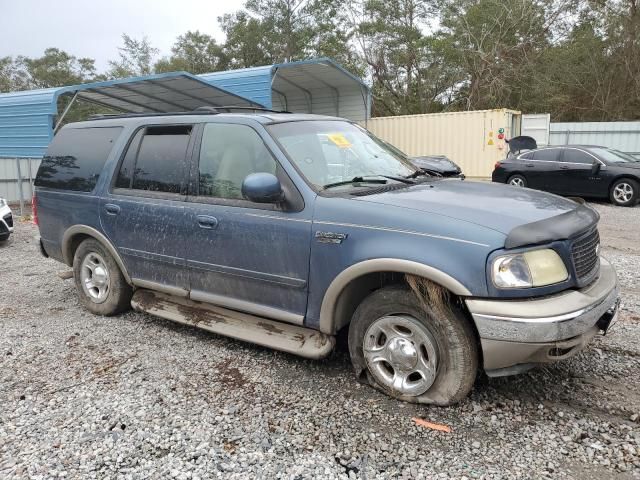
(330, 153)
(613, 156)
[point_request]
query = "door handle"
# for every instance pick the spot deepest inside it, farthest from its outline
(564, 167)
(530, 165)
(208, 222)
(112, 209)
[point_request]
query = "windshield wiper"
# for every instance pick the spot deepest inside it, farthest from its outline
(353, 180)
(423, 172)
(398, 179)
(368, 179)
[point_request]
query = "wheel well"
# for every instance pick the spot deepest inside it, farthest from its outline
(623, 177)
(359, 288)
(75, 235)
(73, 245)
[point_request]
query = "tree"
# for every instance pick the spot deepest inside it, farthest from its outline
(12, 76)
(56, 68)
(136, 58)
(196, 53)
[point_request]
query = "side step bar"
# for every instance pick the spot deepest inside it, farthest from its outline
(301, 341)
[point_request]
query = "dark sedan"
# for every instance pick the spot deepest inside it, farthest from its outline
(574, 170)
(438, 165)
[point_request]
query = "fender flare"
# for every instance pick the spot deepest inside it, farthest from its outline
(332, 294)
(95, 234)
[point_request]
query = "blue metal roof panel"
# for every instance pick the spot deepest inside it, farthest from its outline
(253, 83)
(26, 122)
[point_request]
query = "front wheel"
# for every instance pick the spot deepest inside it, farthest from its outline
(101, 286)
(517, 180)
(624, 192)
(411, 351)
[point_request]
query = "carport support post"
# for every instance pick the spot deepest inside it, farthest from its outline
(64, 113)
(20, 188)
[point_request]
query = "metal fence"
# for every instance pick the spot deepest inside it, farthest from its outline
(623, 136)
(16, 180)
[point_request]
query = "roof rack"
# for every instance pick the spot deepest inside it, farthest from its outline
(205, 110)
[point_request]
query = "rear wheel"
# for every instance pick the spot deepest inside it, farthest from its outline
(410, 351)
(624, 192)
(101, 286)
(517, 180)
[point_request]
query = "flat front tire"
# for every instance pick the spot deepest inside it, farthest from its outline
(102, 288)
(413, 352)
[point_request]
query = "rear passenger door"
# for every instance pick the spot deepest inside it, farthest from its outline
(547, 168)
(243, 255)
(143, 212)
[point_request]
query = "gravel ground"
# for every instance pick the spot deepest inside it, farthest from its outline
(139, 397)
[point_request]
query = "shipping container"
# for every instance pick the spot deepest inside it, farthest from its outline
(475, 140)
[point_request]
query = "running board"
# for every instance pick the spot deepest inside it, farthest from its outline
(301, 341)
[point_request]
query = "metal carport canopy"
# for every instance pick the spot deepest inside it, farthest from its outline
(317, 85)
(162, 93)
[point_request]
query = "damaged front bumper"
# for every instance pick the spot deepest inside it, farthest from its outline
(515, 335)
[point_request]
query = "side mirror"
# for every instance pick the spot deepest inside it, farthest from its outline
(595, 167)
(262, 188)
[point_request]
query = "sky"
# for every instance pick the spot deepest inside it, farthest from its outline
(94, 29)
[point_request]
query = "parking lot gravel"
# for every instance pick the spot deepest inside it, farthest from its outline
(139, 397)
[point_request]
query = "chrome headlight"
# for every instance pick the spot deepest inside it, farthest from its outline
(535, 268)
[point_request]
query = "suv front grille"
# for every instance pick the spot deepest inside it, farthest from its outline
(9, 219)
(584, 254)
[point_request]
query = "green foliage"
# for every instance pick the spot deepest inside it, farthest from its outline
(196, 53)
(135, 58)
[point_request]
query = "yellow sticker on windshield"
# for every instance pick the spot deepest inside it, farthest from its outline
(339, 139)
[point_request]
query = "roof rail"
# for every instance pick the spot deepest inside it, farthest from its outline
(204, 110)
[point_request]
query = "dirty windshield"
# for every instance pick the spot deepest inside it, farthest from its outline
(338, 154)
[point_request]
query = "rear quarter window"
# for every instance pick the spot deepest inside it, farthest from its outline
(75, 158)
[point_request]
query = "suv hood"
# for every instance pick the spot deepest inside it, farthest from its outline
(499, 207)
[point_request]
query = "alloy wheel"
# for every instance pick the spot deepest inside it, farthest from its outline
(623, 192)
(94, 277)
(517, 182)
(401, 354)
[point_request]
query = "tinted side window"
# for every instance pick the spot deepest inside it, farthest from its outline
(576, 156)
(229, 153)
(527, 156)
(75, 158)
(156, 160)
(550, 154)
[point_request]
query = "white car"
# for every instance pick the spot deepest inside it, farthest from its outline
(6, 220)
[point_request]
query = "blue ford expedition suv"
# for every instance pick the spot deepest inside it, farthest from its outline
(285, 229)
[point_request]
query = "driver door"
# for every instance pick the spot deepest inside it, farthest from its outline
(242, 255)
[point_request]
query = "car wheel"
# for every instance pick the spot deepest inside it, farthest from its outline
(624, 192)
(4, 238)
(413, 352)
(101, 286)
(517, 181)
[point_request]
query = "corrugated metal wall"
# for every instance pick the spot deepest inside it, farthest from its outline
(9, 186)
(623, 136)
(468, 138)
(26, 122)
